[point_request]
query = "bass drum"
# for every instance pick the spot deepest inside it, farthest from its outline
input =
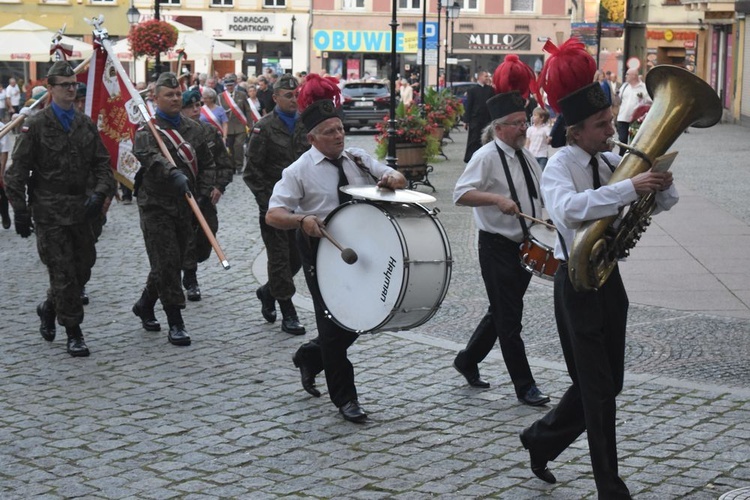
(402, 272)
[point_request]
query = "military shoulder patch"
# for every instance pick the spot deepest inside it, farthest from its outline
(24, 129)
(256, 130)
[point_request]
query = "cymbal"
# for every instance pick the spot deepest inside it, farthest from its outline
(390, 195)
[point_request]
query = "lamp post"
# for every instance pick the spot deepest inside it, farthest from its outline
(390, 158)
(157, 65)
(441, 4)
(452, 13)
(133, 16)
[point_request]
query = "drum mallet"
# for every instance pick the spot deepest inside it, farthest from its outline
(534, 219)
(347, 254)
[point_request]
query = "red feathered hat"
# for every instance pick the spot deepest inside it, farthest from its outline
(316, 88)
(514, 74)
(568, 68)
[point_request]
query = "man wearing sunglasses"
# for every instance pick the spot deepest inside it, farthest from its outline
(61, 158)
(501, 180)
(276, 141)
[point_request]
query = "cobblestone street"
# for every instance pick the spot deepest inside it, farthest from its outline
(227, 417)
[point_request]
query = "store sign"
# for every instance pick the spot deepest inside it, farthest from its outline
(363, 41)
(251, 24)
(669, 35)
(492, 41)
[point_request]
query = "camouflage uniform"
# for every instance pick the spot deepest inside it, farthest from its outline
(166, 218)
(57, 166)
(237, 131)
(269, 151)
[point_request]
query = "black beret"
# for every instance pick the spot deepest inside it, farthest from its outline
(505, 104)
(167, 80)
(584, 102)
(60, 68)
(317, 112)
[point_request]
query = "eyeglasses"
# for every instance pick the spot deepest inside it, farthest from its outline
(66, 85)
(517, 123)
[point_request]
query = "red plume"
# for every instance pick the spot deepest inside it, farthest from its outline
(514, 74)
(567, 69)
(316, 88)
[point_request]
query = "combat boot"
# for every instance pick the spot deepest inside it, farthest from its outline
(76, 345)
(4, 209)
(289, 321)
(190, 282)
(177, 333)
(144, 309)
(84, 297)
(267, 303)
(46, 312)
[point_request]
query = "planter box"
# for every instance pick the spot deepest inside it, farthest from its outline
(408, 154)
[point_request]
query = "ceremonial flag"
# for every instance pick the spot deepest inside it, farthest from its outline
(115, 113)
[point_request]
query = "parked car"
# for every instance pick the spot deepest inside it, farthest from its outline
(364, 103)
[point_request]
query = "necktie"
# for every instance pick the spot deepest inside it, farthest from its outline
(527, 174)
(595, 167)
(339, 163)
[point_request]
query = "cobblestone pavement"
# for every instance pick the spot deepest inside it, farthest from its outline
(226, 417)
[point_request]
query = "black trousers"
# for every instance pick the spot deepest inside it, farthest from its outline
(328, 350)
(591, 326)
(506, 283)
(623, 133)
(473, 139)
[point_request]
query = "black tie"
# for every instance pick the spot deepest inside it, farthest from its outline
(343, 197)
(527, 174)
(595, 167)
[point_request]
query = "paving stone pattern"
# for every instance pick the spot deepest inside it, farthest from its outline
(227, 418)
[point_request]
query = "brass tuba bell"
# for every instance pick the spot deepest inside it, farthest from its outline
(681, 100)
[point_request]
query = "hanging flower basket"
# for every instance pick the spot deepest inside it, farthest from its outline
(152, 38)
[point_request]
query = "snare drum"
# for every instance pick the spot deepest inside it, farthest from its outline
(402, 272)
(538, 252)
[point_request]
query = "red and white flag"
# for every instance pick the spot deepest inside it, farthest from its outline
(210, 118)
(111, 107)
(254, 110)
(236, 111)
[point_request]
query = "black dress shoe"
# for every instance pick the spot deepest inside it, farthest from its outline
(534, 397)
(352, 412)
(290, 324)
(148, 320)
(538, 465)
(194, 293)
(308, 377)
(178, 335)
(471, 375)
(267, 303)
(77, 347)
(84, 297)
(47, 317)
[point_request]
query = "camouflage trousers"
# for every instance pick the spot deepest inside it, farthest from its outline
(236, 147)
(199, 248)
(167, 238)
(283, 259)
(69, 254)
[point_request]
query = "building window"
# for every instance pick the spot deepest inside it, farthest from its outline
(169, 2)
(468, 4)
(100, 2)
(222, 3)
(410, 4)
(354, 4)
(522, 5)
(274, 4)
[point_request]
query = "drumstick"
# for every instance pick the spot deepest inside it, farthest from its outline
(347, 254)
(538, 221)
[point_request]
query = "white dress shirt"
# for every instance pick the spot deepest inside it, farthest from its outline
(570, 197)
(485, 173)
(310, 184)
(631, 100)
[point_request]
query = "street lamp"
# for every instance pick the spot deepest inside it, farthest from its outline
(157, 65)
(441, 4)
(133, 16)
(451, 13)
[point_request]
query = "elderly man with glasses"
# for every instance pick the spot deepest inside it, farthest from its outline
(500, 181)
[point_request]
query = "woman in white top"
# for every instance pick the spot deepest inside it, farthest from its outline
(407, 93)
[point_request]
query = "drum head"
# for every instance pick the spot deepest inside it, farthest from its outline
(361, 296)
(390, 195)
(544, 235)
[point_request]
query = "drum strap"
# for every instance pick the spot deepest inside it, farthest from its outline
(358, 161)
(513, 193)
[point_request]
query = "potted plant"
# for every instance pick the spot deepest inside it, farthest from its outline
(415, 144)
(443, 110)
(152, 38)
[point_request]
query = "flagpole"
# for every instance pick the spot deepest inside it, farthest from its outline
(101, 34)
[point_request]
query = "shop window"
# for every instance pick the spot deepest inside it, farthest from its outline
(222, 3)
(410, 4)
(274, 4)
(354, 4)
(522, 5)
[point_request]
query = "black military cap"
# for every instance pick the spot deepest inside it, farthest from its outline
(167, 80)
(286, 82)
(60, 68)
(584, 102)
(81, 90)
(502, 105)
(317, 112)
(190, 97)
